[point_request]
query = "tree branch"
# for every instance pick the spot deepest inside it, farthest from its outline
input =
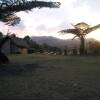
(74, 37)
(7, 10)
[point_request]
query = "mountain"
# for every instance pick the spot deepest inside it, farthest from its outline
(53, 41)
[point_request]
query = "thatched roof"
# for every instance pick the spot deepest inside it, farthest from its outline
(19, 42)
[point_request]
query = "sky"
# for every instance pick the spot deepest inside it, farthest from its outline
(48, 21)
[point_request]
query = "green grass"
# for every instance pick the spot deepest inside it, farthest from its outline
(48, 77)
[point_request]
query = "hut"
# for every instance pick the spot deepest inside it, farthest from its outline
(15, 45)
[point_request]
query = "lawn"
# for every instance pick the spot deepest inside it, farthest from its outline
(49, 77)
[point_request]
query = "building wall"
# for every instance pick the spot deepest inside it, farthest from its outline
(23, 50)
(6, 47)
(10, 48)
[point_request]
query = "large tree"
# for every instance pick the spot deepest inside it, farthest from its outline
(8, 8)
(80, 30)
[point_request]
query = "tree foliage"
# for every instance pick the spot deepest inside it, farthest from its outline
(8, 8)
(80, 30)
(94, 47)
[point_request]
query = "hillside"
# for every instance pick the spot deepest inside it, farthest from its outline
(53, 41)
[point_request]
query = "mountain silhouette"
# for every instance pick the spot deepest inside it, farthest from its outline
(53, 41)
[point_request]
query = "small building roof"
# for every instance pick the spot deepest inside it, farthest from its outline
(19, 42)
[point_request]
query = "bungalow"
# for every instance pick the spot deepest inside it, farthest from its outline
(15, 45)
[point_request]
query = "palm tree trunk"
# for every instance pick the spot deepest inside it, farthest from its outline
(82, 45)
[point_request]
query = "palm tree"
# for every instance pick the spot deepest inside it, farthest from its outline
(80, 30)
(8, 8)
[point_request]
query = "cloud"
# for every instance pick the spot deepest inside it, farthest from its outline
(21, 25)
(48, 21)
(41, 27)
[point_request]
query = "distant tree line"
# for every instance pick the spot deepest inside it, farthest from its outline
(93, 48)
(37, 48)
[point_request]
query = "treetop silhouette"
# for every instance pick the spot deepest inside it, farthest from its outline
(8, 8)
(80, 30)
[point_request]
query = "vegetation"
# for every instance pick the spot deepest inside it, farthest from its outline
(8, 8)
(81, 30)
(94, 47)
(45, 77)
(40, 76)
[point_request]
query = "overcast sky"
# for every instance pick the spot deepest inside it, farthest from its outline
(48, 22)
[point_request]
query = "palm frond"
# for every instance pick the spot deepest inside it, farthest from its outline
(63, 31)
(72, 31)
(82, 25)
(92, 29)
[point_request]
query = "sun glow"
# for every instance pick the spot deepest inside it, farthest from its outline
(47, 22)
(95, 35)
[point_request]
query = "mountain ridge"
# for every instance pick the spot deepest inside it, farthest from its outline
(53, 41)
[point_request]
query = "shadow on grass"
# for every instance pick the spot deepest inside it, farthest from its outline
(17, 69)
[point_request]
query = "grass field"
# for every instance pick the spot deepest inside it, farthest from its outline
(49, 77)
